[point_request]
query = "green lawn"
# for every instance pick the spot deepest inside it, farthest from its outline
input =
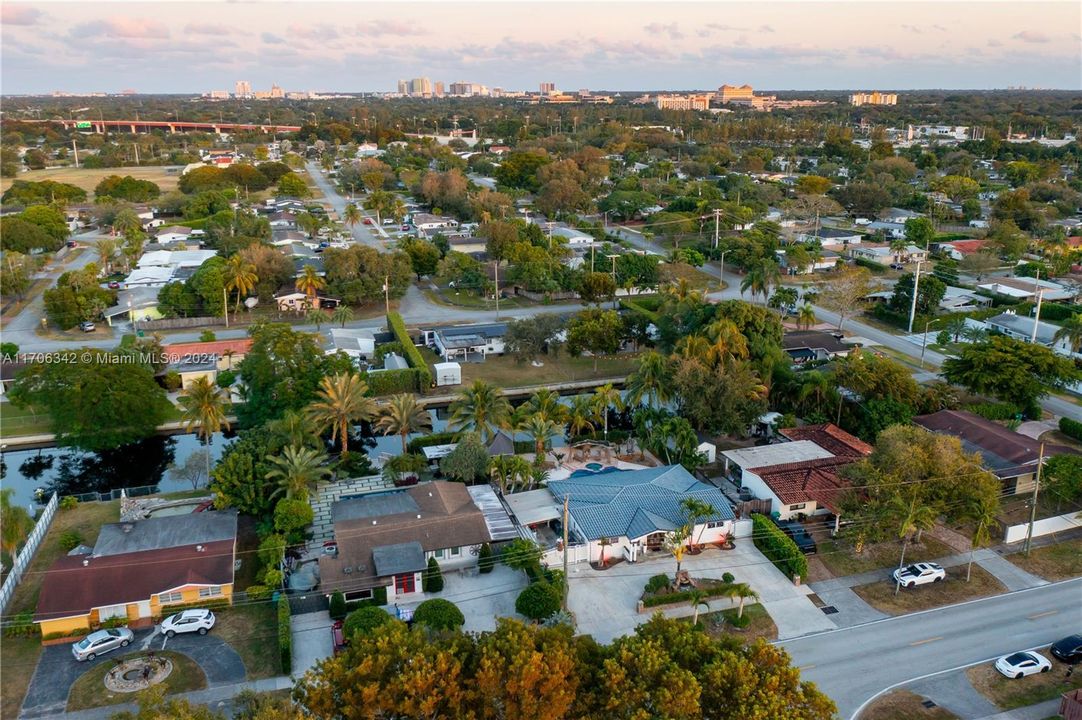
(506, 372)
(15, 421)
(1009, 693)
(451, 298)
(839, 557)
(19, 657)
(252, 630)
(89, 690)
(719, 622)
(951, 591)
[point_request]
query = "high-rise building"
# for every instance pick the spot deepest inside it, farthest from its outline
(218, 95)
(438, 91)
(873, 98)
(548, 88)
(243, 89)
(420, 87)
(276, 93)
(403, 87)
(683, 102)
(732, 93)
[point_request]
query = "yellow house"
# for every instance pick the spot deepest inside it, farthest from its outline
(139, 571)
(194, 360)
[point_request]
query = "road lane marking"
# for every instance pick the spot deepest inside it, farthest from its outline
(802, 668)
(924, 642)
(1043, 614)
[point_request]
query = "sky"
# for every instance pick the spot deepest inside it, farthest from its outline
(187, 47)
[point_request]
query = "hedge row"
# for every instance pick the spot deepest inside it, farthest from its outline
(285, 635)
(995, 411)
(778, 547)
(1049, 310)
(1070, 428)
(413, 355)
(441, 438)
(389, 382)
(870, 264)
(635, 307)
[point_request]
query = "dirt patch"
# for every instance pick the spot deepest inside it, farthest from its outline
(954, 589)
(1061, 561)
(1008, 693)
(903, 705)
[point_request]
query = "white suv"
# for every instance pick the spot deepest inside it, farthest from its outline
(188, 621)
(920, 573)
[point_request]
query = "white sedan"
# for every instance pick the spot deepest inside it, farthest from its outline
(188, 621)
(919, 574)
(1021, 664)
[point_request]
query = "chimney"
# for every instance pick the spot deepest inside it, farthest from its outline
(200, 548)
(86, 561)
(373, 522)
(128, 527)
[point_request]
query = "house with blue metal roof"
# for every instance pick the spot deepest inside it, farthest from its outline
(633, 510)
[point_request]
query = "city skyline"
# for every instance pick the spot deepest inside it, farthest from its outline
(612, 46)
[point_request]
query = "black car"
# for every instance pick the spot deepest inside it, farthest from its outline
(1069, 649)
(804, 542)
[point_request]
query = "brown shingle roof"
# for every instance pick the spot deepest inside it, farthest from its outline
(446, 517)
(70, 588)
(831, 438)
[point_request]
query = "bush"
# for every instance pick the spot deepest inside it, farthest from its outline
(995, 411)
(657, 582)
(728, 577)
(413, 355)
(258, 592)
(486, 559)
(432, 580)
(1070, 428)
(207, 336)
(69, 502)
(739, 621)
(668, 598)
(22, 625)
(637, 306)
(113, 622)
(364, 620)
(538, 601)
(338, 605)
(172, 381)
(285, 635)
(390, 382)
(226, 378)
(778, 547)
(70, 539)
(871, 265)
(439, 614)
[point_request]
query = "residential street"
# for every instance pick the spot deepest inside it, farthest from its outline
(845, 662)
(369, 235)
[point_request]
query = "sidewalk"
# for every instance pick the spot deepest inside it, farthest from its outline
(1046, 709)
(209, 696)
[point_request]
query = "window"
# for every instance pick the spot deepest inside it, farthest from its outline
(454, 552)
(801, 506)
(212, 591)
(438, 554)
(170, 598)
(358, 595)
(715, 524)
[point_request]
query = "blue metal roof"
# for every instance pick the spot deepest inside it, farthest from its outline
(635, 503)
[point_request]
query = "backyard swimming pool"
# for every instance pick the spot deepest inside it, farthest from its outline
(595, 469)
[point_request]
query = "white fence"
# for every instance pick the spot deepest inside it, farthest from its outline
(554, 558)
(27, 554)
(1060, 523)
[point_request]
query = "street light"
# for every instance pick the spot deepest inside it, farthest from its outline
(613, 258)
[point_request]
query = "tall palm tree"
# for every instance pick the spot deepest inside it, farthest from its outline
(805, 316)
(606, 397)
(297, 470)
(342, 315)
(1071, 331)
(352, 215)
(480, 408)
(650, 380)
(693, 347)
(296, 428)
(15, 523)
(676, 542)
(761, 277)
(981, 510)
(316, 317)
(697, 599)
(696, 510)
(909, 515)
(398, 209)
(402, 415)
(378, 201)
(341, 401)
(727, 342)
(542, 430)
(310, 283)
(202, 407)
(546, 403)
(239, 276)
(581, 415)
(510, 472)
(107, 248)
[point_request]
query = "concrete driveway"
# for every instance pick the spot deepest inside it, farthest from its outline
(312, 640)
(605, 602)
(481, 598)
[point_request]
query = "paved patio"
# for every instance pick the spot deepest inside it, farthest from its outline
(604, 601)
(481, 598)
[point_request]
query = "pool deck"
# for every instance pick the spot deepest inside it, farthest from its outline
(563, 471)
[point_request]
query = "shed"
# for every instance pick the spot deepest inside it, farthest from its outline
(709, 450)
(448, 373)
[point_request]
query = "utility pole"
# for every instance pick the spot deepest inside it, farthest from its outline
(721, 270)
(1040, 295)
(496, 270)
(75, 149)
(136, 146)
(717, 227)
(387, 293)
(566, 578)
(913, 306)
(1033, 501)
(613, 258)
(225, 306)
(924, 345)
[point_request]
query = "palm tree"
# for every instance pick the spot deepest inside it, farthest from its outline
(676, 542)
(1071, 331)
(297, 469)
(510, 471)
(310, 283)
(107, 248)
(761, 276)
(805, 316)
(542, 430)
(15, 523)
(202, 407)
(239, 275)
(981, 510)
(398, 209)
(727, 341)
(342, 315)
(909, 515)
(295, 427)
(352, 215)
(546, 403)
(341, 401)
(606, 397)
(378, 201)
(604, 543)
(480, 408)
(697, 599)
(956, 326)
(814, 384)
(402, 415)
(898, 247)
(696, 510)
(693, 347)
(741, 592)
(581, 415)
(316, 317)
(650, 380)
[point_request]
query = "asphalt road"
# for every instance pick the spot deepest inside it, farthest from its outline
(369, 235)
(854, 665)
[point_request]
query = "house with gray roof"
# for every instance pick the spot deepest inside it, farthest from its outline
(633, 510)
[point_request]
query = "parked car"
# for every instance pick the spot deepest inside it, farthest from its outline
(1069, 649)
(102, 641)
(72, 244)
(897, 266)
(1020, 664)
(405, 228)
(368, 221)
(804, 542)
(113, 285)
(919, 574)
(338, 637)
(87, 326)
(199, 621)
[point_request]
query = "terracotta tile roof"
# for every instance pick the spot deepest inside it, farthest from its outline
(808, 481)
(967, 246)
(71, 588)
(218, 348)
(831, 438)
(437, 515)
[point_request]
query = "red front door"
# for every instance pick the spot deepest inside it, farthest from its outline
(404, 584)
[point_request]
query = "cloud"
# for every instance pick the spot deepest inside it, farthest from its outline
(121, 27)
(208, 29)
(995, 43)
(1031, 36)
(672, 30)
(20, 15)
(765, 29)
(392, 28)
(726, 28)
(322, 32)
(272, 39)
